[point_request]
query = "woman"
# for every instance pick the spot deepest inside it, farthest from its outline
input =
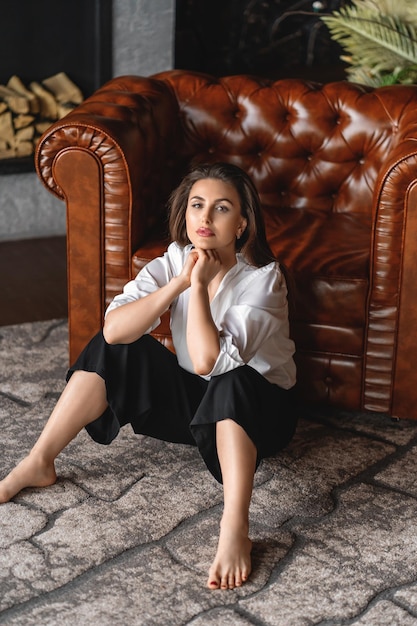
(227, 389)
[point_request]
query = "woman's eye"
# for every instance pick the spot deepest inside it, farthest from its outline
(222, 208)
(196, 205)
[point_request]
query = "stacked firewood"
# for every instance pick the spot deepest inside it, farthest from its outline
(26, 112)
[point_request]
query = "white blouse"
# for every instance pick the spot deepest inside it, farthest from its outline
(250, 309)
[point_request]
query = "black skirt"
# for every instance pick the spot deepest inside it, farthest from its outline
(147, 388)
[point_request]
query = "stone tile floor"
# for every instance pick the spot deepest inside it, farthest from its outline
(128, 532)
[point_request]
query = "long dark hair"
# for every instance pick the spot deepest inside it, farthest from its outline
(253, 243)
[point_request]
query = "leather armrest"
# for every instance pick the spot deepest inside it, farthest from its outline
(390, 350)
(130, 126)
(106, 159)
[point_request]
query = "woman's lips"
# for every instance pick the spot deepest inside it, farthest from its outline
(205, 232)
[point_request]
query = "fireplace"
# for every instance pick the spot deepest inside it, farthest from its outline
(42, 38)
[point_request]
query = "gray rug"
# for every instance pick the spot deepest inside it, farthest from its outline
(127, 534)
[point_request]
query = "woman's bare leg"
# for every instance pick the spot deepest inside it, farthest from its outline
(82, 401)
(237, 455)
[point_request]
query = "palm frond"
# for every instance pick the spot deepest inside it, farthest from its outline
(384, 40)
(381, 47)
(405, 10)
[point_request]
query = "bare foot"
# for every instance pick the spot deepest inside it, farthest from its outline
(232, 564)
(31, 472)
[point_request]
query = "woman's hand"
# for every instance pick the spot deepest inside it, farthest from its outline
(185, 274)
(200, 267)
(206, 266)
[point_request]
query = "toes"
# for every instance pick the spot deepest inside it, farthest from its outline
(213, 584)
(213, 581)
(227, 580)
(230, 581)
(224, 584)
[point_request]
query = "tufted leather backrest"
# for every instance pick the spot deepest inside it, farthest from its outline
(307, 146)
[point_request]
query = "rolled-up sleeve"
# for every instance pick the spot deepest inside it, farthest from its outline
(229, 357)
(151, 277)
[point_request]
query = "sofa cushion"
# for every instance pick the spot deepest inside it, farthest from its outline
(328, 258)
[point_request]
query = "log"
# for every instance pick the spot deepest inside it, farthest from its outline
(16, 84)
(63, 89)
(14, 143)
(24, 134)
(16, 102)
(63, 109)
(47, 102)
(7, 153)
(23, 148)
(41, 127)
(6, 127)
(20, 121)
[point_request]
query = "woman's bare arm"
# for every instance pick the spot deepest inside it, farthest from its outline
(129, 322)
(202, 334)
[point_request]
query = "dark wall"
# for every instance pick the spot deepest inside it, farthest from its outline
(276, 38)
(39, 38)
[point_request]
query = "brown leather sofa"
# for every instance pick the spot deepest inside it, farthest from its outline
(336, 169)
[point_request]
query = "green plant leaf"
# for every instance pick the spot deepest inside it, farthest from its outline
(379, 45)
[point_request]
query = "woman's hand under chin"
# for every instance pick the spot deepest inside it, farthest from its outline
(207, 266)
(189, 266)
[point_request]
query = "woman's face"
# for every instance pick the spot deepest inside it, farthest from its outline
(213, 216)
